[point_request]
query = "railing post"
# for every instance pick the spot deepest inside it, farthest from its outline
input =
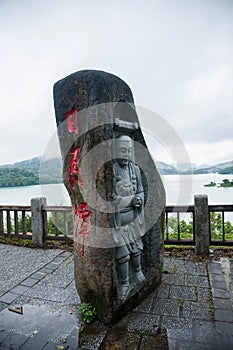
(38, 234)
(201, 213)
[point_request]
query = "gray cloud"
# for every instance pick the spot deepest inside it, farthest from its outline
(176, 56)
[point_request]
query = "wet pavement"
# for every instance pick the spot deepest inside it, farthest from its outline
(38, 299)
(192, 309)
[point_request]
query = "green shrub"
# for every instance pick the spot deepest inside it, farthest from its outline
(88, 312)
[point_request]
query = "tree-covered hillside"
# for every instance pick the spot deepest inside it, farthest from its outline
(31, 172)
(32, 165)
(228, 170)
(48, 171)
(11, 177)
(51, 171)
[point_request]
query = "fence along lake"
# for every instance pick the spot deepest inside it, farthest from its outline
(180, 190)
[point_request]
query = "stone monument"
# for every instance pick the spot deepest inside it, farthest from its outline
(117, 195)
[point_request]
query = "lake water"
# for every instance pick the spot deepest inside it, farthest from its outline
(180, 189)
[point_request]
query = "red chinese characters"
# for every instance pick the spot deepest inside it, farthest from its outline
(74, 168)
(72, 121)
(83, 214)
(75, 177)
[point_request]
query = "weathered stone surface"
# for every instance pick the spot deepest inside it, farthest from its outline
(38, 238)
(93, 108)
(201, 224)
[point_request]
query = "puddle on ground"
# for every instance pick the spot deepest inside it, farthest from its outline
(31, 320)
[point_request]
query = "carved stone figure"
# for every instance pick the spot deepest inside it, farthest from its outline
(129, 217)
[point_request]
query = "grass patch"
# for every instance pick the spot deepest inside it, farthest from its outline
(212, 309)
(27, 242)
(181, 303)
(21, 242)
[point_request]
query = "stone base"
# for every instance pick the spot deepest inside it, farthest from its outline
(96, 282)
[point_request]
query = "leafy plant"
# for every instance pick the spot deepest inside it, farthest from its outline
(27, 242)
(28, 222)
(186, 228)
(88, 312)
(56, 223)
(181, 303)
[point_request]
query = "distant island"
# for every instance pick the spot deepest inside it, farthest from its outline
(224, 183)
(37, 171)
(211, 184)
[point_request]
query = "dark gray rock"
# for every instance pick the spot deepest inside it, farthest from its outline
(93, 108)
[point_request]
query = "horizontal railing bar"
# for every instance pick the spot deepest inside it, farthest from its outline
(169, 208)
(179, 242)
(15, 207)
(221, 242)
(225, 207)
(59, 238)
(180, 208)
(13, 235)
(57, 208)
(68, 209)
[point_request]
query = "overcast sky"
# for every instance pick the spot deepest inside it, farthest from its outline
(177, 57)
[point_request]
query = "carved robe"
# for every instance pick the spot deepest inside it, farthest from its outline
(129, 225)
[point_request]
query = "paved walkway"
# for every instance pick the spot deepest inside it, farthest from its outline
(192, 309)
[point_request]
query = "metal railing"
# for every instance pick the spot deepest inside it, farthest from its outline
(176, 231)
(221, 230)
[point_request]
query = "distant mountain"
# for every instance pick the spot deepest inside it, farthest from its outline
(166, 169)
(31, 172)
(221, 168)
(201, 166)
(228, 170)
(39, 171)
(29, 165)
(225, 165)
(11, 177)
(51, 171)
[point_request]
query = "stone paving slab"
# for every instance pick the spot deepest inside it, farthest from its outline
(199, 281)
(183, 292)
(20, 289)
(8, 298)
(165, 307)
(203, 295)
(29, 282)
(21, 263)
(49, 312)
(191, 309)
(13, 341)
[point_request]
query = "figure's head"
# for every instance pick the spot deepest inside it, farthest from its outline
(123, 149)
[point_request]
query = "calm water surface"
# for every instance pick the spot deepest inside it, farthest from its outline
(180, 189)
